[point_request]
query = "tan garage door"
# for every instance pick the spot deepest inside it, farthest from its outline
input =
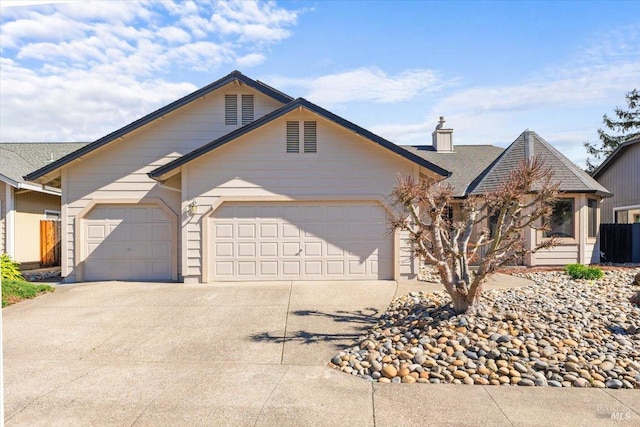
(286, 241)
(128, 242)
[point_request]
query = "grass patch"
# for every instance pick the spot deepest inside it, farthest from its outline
(14, 291)
(579, 271)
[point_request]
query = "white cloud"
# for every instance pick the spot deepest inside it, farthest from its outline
(250, 60)
(174, 35)
(562, 103)
(61, 60)
(368, 84)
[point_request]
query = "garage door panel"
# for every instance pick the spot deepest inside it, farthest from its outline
(290, 231)
(246, 231)
(269, 230)
(268, 249)
(269, 268)
(247, 249)
(290, 249)
(285, 241)
(128, 242)
(223, 230)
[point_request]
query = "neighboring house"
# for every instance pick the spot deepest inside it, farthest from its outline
(23, 204)
(238, 181)
(620, 173)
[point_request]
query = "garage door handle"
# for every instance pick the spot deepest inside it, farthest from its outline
(299, 252)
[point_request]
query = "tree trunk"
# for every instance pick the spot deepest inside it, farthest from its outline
(463, 303)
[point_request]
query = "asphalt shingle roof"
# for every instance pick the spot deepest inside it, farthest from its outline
(571, 178)
(20, 158)
(465, 163)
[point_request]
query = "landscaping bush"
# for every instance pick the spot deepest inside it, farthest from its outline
(579, 271)
(17, 290)
(10, 268)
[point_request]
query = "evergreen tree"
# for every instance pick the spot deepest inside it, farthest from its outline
(625, 125)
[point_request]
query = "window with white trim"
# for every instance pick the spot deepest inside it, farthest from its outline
(309, 135)
(592, 217)
(561, 222)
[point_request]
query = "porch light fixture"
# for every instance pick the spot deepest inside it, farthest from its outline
(193, 207)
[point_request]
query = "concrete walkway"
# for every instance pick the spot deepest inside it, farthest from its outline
(149, 354)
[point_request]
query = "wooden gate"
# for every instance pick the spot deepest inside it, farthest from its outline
(620, 243)
(50, 243)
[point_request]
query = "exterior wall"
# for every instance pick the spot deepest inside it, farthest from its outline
(622, 179)
(30, 207)
(256, 166)
(3, 215)
(119, 171)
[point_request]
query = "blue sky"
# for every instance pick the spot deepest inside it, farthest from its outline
(77, 70)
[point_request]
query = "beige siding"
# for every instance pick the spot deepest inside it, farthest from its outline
(119, 171)
(256, 166)
(623, 180)
(558, 255)
(30, 208)
(3, 214)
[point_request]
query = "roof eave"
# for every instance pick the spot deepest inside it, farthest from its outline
(187, 99)
(613, 156)
(163, 172)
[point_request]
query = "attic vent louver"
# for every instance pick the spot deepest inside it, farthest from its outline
(247, 109)
(293, 137)
(231, 110)
(310, 137)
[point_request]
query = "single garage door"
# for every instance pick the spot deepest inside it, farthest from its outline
(287, 241)
(128, 242)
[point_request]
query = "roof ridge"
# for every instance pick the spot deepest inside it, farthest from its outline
(568, 163)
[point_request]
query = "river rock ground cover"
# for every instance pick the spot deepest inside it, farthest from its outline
(559, 332)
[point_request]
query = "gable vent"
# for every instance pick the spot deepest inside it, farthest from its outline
(247, 109)
(310, 137)
(230, 110)
(293, 137)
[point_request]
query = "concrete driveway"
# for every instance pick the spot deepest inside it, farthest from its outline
(241, 354)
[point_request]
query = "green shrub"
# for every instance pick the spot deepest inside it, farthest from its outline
(579, 271)
(16, 290)
(10, 268)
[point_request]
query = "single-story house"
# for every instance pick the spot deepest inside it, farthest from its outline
(620, 173)
(239, 181)
(23, 204)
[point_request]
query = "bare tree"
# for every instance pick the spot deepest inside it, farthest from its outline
(525, 199)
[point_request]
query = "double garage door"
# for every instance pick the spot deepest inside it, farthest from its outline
(128, 242)
(289, 241)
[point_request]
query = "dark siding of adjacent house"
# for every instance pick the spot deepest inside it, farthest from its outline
(622, 179)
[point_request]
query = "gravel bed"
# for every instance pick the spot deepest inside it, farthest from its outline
(558, 333)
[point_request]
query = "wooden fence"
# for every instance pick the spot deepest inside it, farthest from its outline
(620, 243)
(50, 243)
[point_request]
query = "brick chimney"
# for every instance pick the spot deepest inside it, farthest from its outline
(442, 138)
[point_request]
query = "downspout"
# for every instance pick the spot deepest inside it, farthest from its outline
(10, 222)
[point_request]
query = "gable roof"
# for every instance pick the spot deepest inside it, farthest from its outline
(18, 159)
(466, 162)
(570, 177)
(620, 149)
(159, 173)
(231, 77)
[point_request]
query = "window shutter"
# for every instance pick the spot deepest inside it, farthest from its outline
(310, 137)
(247, 109)
(230, 109)
(293, 137)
